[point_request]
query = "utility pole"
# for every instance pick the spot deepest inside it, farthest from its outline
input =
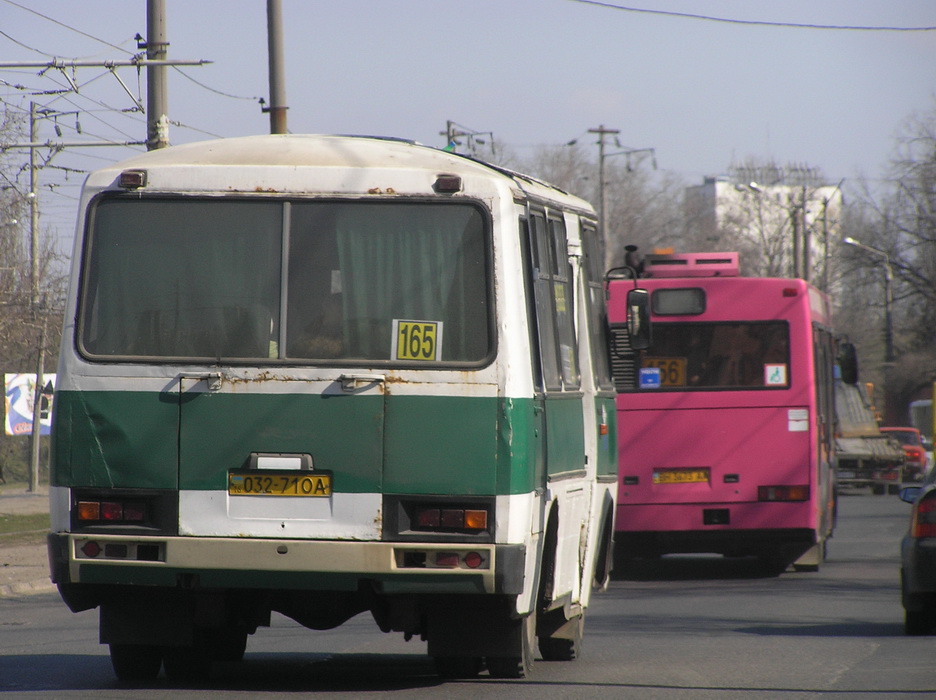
(157, 93)
(601, 131)
(35, 438)
(795, 227)
(277, 108)
(33, 196)
(807, 243)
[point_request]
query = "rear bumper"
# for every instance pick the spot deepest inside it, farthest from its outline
(733, 543)
(231, 563)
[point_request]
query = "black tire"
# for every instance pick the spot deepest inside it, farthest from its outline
(919, 622)
(773, 561)
(230, 644)
(561, 648)
(136, 662)
(604, 563)
(458, 666)
(188, 664)
(520, 666)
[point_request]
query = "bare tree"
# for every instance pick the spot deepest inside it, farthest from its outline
(901, 223)
(642, 207)
(23, 323)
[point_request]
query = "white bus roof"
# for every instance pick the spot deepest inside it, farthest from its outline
(247, 164)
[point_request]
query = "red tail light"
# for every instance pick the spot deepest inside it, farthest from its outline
(799, 492)
(450, 519)
(111, 512)
(924, 518)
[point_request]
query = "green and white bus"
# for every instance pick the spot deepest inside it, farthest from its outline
(326, 375)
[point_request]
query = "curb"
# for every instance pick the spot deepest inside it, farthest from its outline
(17, 590)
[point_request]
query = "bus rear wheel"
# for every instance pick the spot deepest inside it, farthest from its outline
(519, 666)
(135, 662)
(186, 664)
(458, 666)
(567, 647)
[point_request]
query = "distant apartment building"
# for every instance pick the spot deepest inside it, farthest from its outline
(783, 221)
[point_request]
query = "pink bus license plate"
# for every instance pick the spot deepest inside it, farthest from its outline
(681, 476)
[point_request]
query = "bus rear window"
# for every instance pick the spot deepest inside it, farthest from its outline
(265, 280)
(735, 355)
(678, 302)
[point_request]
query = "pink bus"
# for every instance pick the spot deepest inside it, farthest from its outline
(726, 421)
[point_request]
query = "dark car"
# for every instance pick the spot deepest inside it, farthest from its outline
(918, 559)
(915, 456)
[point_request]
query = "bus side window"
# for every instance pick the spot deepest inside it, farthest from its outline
(564, 304)
(597, 311)
(543, 294)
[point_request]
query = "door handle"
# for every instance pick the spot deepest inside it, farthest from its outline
(212, 379)
(353, 382)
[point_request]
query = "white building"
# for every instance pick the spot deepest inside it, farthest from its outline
(784, 224)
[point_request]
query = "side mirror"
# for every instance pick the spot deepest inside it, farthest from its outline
(909, 494)
(638, 319)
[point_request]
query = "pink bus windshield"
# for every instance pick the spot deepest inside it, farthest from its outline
(720, 355)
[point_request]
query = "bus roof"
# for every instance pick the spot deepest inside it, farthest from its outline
(691, 265)
(243, 164)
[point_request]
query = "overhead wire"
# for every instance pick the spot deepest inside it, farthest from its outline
(754, 22)
(66, 26)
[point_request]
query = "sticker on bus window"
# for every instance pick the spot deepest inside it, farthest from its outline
(416, 340)
(672, 369)
(775, 375)
(560, 297)
(650, 377)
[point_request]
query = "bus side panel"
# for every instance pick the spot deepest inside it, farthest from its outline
(115, 439)
(565, 438)
(607, 439)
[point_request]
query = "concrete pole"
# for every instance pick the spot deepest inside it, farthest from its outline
(601, 131)
(277, 107)
(36, 437)
(157, 93)
(33, 196)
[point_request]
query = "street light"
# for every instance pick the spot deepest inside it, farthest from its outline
(888, 296)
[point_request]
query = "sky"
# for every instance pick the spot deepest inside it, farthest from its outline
(702, 93)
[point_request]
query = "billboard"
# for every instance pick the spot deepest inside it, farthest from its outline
(20, 392)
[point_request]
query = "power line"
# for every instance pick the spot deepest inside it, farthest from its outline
(211, 89)
(760, 23)
(66, 26)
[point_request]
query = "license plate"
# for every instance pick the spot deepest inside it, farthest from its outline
(288, 483)
(681, 476)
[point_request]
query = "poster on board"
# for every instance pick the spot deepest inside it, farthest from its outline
(19, 399)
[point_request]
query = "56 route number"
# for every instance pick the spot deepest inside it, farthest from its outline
(672, 369)
(417, 340)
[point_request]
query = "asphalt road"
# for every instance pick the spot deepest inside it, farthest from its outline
(683, 628)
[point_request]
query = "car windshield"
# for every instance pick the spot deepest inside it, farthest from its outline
(906, 437)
